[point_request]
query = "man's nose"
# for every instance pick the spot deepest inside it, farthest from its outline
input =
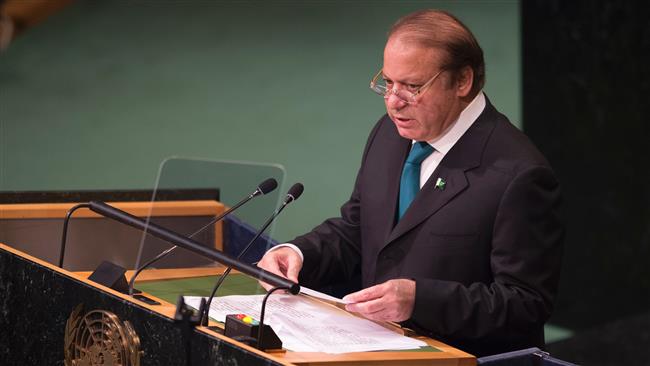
(393, 102)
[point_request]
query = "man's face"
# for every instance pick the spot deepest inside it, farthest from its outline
(409, 66)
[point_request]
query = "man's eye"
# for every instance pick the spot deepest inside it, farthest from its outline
(388, 83)
(412, 87)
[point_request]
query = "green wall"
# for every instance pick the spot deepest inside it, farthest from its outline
(98, 95)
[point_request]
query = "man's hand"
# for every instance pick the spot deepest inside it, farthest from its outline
(283, 262)
(390, 301)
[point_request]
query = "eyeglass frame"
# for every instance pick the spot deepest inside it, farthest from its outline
(386, 93)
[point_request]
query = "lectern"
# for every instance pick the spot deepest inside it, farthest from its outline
(39, 300)
(46, 311)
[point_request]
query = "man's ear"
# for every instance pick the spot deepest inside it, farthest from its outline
(464, 82)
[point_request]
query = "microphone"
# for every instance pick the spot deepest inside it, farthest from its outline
(263, 188)
(191, 245)
(293, 194)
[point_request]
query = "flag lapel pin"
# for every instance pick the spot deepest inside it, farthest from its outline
(440, 184)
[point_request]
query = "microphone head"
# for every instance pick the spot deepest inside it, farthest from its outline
(267, 186)
(294, 192)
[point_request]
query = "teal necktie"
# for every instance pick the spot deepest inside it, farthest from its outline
(410, 182)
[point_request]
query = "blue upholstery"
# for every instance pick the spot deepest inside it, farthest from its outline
(237, 234)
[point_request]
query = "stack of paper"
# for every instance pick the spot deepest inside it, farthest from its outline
(307, 325)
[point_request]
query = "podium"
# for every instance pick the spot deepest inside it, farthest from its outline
(40, 299)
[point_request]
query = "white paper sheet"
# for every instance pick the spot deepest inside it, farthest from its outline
(307, 325)
(322, 296)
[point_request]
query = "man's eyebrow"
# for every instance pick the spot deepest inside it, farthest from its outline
(386, 77)
(405, 82)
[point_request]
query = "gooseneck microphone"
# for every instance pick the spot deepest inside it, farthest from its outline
(191, 245)
(65, 231)
(263, 188)
(293, 194)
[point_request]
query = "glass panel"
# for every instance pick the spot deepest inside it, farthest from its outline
(211, 187)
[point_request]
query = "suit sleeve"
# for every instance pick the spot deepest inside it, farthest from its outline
(332, 250)
(525, 261)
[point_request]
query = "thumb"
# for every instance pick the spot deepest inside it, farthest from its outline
(293, 268)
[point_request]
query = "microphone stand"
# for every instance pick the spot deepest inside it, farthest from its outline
(169, 250)
(192, 245)
(65, 230)
(204, 320)
(262, 312)
(263, 188)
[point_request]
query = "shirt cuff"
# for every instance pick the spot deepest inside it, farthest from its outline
(289, 245)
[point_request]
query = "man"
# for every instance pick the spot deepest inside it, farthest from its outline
(453, 221)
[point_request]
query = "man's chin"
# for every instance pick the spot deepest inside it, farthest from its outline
(408, 133)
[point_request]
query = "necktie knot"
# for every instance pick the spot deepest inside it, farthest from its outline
(420, 151)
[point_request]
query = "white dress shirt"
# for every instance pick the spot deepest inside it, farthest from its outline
(443, 143)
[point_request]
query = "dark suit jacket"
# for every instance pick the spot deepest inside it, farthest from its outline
(484, 252)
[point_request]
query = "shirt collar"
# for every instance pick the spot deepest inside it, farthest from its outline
(466, 118)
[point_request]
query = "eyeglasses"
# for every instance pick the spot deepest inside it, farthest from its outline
(378, 85)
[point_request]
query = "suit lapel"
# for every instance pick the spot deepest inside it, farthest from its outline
(430, 199)
(394, 166)
(465, 155)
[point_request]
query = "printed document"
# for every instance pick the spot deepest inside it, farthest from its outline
(308, 325)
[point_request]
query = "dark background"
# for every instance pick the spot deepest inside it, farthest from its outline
(586, 93)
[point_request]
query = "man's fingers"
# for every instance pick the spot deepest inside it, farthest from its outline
(390, 301)
(365, 294)
(271, 264)
(290, 266)
(284, 262)
(293, 269)
(367, 307)
(273, 268)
